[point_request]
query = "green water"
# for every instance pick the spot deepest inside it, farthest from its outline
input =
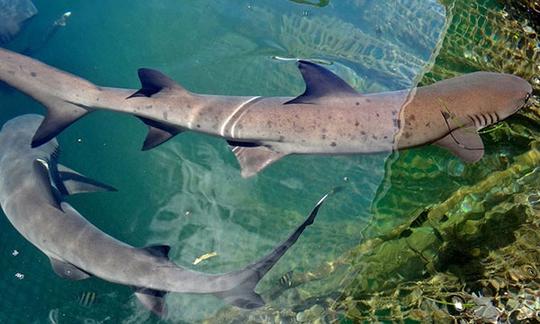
(188, 193)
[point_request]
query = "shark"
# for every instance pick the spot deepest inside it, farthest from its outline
(33, 186)
(13, 14)
(329, 117)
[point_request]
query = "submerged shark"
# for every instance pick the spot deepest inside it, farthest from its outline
(13, 13)
(32, 187)
(330, 117)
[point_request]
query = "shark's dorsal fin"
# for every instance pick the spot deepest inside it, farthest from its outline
(320, 83)
(153, 300)
(161, 251)
(253, 159)
(465, 143)
(158, 133)
(153, 82)
(67, 270)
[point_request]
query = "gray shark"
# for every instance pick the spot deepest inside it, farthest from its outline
(330, 117)
(13, 13)
(32, 187)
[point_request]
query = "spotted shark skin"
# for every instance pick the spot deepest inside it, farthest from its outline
(328, 118)
(32, 188)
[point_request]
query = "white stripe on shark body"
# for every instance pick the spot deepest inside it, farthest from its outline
(328, 118)
(32, 188)
(238, 111)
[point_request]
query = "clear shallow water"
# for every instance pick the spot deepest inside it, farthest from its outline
(188, 193)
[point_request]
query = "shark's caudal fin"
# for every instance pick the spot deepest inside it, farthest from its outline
(320, 83)
(60, 114)
(244, 295)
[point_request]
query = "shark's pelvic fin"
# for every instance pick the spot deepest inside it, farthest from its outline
(253, 159)
(153, 300)
(320, 83)
(67, 271)
(60, 114)
(158, 133)
(153, 82)
(244, 295)
(465, 143)
(159, 250)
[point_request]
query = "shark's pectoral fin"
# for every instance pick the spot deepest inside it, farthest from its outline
(49, 193)
(464, 143)
(242, 296)
(153, 300)
(158, 133)
(60, 114)
(70, 182)
(253, 159)
(153, 82)
(320, 83)
(67, 270)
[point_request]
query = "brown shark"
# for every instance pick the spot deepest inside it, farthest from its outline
(330, 117)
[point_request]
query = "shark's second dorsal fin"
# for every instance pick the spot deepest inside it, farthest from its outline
(320, 83)
(153, 82)
(465, 143)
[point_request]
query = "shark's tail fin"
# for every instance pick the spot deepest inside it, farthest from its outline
(60, 114)
(55, 89)
(244, 295)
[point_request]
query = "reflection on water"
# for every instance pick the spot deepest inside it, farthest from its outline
(188, 193)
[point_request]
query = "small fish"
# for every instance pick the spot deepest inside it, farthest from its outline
(286, 280)
(204, 257)
(62, 21)
(87, 299)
